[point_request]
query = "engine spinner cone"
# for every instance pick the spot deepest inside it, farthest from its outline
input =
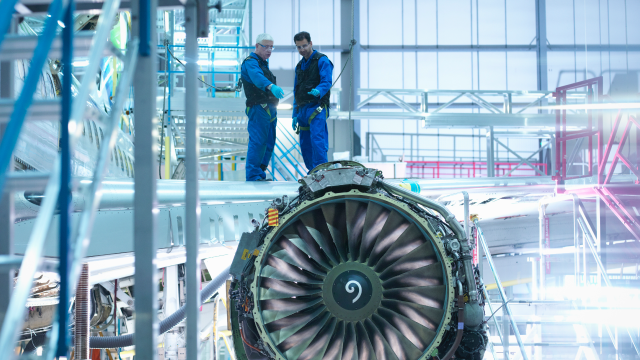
(352, 291)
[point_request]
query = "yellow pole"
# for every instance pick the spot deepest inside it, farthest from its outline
(167, 157)
(220, 168)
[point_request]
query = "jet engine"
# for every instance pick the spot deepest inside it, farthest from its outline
(356, 268)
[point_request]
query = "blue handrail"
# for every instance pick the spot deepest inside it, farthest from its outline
(25, 99)
(285, 166)
(285, 155)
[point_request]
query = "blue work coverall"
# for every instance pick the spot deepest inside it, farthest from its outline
(315, 142)
(262, 124)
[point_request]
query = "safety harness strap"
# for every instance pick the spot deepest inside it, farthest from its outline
(266, 107)
(316, 112)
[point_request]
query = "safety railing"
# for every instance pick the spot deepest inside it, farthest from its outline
(468, 169)
(590, 238)
(485, 99)
(581, 225)
(503, 296)
(59, 183)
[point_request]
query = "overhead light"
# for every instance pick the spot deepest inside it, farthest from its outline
(285, 106)
(61, 24)
(225, 62)
(80, 63)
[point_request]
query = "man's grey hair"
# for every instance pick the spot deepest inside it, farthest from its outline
(263, 37)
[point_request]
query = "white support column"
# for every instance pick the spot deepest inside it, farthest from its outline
(192, 208)
(490, 152)
(145, 201)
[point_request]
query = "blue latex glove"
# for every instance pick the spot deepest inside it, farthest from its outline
(277, 91)
(294, 123)
(314, 92)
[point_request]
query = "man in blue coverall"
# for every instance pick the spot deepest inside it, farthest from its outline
(311, 88)
(262, 94)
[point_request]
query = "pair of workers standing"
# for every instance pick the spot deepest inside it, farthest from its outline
(311, 88)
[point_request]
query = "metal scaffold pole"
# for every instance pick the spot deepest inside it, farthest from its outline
(145, 202)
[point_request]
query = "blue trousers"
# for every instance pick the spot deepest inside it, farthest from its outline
(314, 142)
(262, 139)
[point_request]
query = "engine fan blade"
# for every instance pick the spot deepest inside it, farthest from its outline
(286, 271)
(394, 227)
(365, 349)
(374, 222)
(318, 346)
(276, 309)
(356, 215)
(421, 256)
(297, 257)
(301, 317)
(305, 242)
(419, 335)
(317, 227)
(279, 289)
(432, 296)
(334, 215)
(382, 348)
(425, 276)
(401, 346)
(424, 315)
(350, 347)
(295, 344)
(334, 351)
(410, 239)
(284, 328)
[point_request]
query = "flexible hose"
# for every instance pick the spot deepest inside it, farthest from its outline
(110, 342)
(446, 214)
(460, 331)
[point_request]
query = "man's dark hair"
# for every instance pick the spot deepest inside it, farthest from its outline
(301, 36)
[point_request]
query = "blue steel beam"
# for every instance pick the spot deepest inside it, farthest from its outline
(64, 198)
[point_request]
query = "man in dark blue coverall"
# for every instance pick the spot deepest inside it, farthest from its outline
(312, 85)
(262, 94)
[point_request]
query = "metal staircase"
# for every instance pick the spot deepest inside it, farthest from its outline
(286, 163)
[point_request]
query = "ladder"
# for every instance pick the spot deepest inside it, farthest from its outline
(58, 183)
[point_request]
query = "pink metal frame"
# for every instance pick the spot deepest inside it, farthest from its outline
(466, 169)
(609, 193)
(562, 135)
